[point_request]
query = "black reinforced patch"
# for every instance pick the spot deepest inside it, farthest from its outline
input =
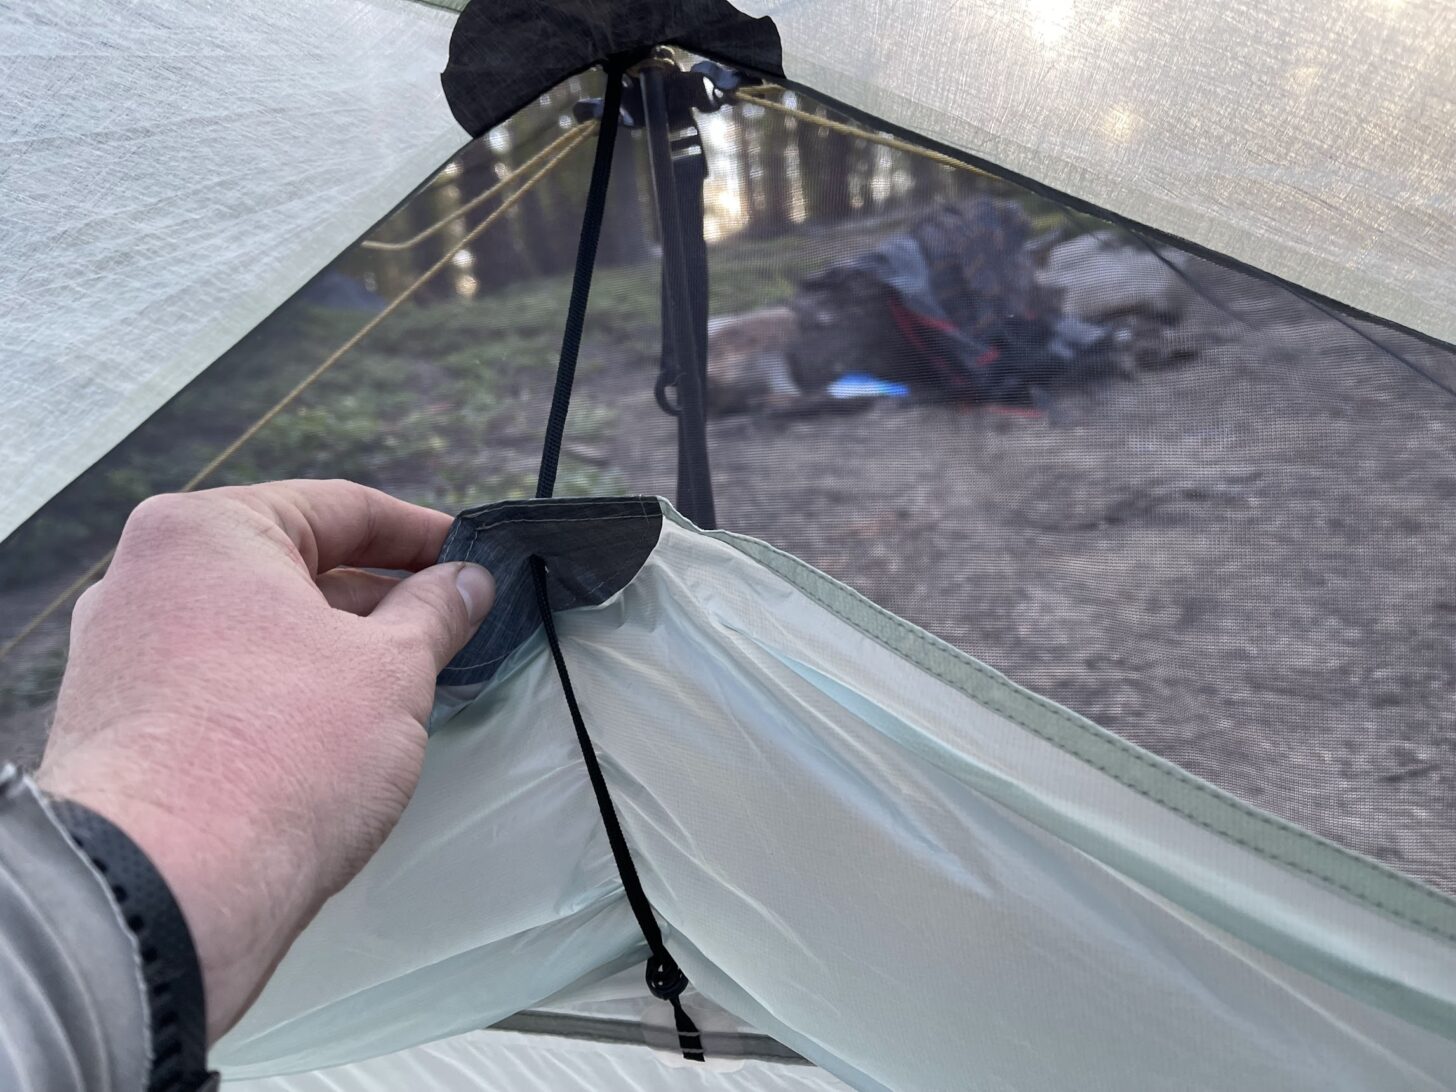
(506, 53)
(593, 548)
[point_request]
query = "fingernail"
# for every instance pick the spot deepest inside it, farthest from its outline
(477, 588)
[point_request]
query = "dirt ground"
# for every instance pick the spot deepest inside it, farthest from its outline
(1243, 563)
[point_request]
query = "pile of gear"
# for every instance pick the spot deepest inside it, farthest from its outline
(966, 305)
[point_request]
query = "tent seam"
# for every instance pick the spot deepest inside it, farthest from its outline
(1181, 776)
(455, 6)
(562, 519)
(1156, 766)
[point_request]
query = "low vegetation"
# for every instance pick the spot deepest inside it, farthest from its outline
(407, 410)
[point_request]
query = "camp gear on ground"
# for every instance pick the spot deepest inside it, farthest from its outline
(951, 308)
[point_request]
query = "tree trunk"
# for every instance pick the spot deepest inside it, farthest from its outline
(541, 220)
(495, 251)
(927, 181)
(839, 173)
(748, 191)
(824, 168)
(439, 200)
(774, 135)
(624, 230)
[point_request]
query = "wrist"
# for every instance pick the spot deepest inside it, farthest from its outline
(175, 1000)
(237, 889)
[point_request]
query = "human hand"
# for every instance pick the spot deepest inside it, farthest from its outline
(250, 709)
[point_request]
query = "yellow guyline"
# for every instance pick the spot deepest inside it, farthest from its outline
(568, 139)
(549, 157)
(755, 95)
(552, 156)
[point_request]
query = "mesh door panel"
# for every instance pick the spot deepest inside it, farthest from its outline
(1226, 534)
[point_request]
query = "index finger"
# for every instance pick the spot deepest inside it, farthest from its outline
(334, 523)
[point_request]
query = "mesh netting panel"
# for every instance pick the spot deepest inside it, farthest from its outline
(1205, 513)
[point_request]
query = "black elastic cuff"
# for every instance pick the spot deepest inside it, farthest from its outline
(172, 976)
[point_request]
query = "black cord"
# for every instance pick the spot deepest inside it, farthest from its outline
(1304, 297)
(581, 277)
(665, 978)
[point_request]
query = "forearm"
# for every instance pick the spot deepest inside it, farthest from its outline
(81, 997)
(241, 722)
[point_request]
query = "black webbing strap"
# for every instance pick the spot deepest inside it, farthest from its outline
(665, 978)
(581, 278)
(679, 168)
(694, 477)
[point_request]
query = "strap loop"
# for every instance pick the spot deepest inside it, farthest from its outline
(689, 1039)
(665, 978)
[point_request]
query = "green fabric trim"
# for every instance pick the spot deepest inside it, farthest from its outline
(1272, 838)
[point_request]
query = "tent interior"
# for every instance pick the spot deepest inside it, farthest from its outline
(1066, 701)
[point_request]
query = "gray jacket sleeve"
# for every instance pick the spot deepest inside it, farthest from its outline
(73, 1007)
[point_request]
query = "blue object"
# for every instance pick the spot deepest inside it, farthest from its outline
(866, 386)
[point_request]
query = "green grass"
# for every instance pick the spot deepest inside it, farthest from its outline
(412, 409)
(418, 404)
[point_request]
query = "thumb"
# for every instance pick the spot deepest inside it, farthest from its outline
(440, 607)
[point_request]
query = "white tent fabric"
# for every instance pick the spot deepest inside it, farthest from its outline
(1312, 139)
(172, 172)
(498, 1061)
(873, 848)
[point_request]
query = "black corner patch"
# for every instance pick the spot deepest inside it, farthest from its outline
(592, 548)
(506, 53)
